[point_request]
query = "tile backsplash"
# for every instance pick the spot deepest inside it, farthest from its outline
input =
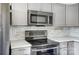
(74, 32)
(17, 33)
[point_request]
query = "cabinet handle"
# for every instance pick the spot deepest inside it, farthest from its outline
(54, 15)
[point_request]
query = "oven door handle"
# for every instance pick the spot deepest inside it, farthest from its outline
(41, 45)
(44, 49)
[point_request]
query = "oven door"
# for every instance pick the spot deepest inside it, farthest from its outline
(49, 51)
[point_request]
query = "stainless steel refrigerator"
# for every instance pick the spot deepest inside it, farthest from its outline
(4, 28)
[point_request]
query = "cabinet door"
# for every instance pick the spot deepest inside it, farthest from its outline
(63, 48)
(46, 7)
(72, 15)
(76, 48)
(34, 6)
(70, 47)
(19, 18)
(19, 7)
(19, 14)
(59, 15)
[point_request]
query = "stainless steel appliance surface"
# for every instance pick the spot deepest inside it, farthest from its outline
(39, 18)
(42, 46)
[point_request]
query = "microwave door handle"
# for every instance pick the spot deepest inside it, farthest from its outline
(48, 19)
(54, 15)
(29, 17)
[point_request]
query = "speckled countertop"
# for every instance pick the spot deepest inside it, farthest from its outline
(65, 39)
(23, 43)
(19, 44)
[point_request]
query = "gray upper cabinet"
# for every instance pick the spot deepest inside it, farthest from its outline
(58, 14)
(19, 11)
(63, 14)
(19, 18)
(19, 14)
(72, 15)
(34, 6)
(19, 7)
(46, 7)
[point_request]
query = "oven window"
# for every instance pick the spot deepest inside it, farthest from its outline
(47, 52)
(39, 19)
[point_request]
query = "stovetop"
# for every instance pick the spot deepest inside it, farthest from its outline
(38, 41)
(41, 42)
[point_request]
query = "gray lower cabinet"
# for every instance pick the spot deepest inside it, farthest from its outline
(63, 48)
(21, 51)
(73, 48)
(69, 48)
(76, 48)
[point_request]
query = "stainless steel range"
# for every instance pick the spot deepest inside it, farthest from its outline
(41, 45)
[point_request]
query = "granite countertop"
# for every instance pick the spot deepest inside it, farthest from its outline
(22, 43)
(19, 44)
(65, 39)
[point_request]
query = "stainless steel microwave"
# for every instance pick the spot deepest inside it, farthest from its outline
(39, 18)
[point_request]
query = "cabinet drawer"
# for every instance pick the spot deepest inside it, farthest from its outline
(63, 44)
(21, 51)
(63, 51)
